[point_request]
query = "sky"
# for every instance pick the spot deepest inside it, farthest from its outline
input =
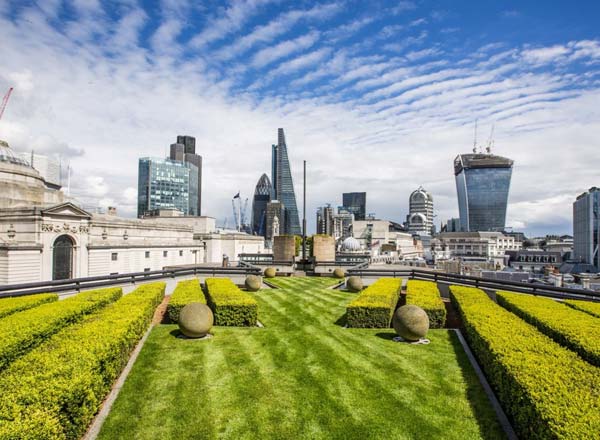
(377, 96)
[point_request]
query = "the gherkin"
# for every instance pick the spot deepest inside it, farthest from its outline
(283, 184)
(263, 194)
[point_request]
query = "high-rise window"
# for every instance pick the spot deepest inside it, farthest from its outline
(355, 203)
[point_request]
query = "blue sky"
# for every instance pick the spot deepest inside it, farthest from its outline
(378, 96)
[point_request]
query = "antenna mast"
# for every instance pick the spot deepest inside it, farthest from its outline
(475, 138)
(490, 143)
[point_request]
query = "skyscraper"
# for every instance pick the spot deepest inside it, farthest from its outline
(165, 184)
(184, 150)
(325, 220)
(355, 203)
(281, 176)
(482, 184)
(586, 227)
(420, 217)
(263, 194)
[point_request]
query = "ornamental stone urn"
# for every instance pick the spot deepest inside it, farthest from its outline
(411, 322)
(195, 320)
(354, 284)
(253, 283)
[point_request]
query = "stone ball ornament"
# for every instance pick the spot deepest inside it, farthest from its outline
(253, 283)
(354, 284)
(270, 272)
(411, 323)
(339, 273)
(196, 320)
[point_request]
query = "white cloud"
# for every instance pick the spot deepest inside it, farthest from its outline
(283, 49)
(545, 54)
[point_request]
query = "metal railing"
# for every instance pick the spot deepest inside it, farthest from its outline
(77, 284)
(484, 283)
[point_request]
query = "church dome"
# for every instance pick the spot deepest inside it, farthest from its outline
(7, 155)
(351, 244)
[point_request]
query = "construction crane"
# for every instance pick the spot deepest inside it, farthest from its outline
(5, 101)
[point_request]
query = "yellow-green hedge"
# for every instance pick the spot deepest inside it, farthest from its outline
(574, 329)
(8, 306)
(229, 304)
(547, 390)
(22, 331)
(375, 305)
(185, 292)
(426, 295)
(585, 306)
(54, 391)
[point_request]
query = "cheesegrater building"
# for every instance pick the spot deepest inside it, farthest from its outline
(482, 184)
(283, 185)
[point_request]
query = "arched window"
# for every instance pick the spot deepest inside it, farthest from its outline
(62, 258)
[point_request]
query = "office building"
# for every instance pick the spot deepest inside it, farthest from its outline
(275, 215)
(325, 220)
(482, 184)
(355, 203)
(342, 224)
(586, 227)
(48, 167)
(184, 150)
(263, 194)
(420, 217)
(283, 185)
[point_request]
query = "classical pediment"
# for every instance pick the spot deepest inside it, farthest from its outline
(67, 209)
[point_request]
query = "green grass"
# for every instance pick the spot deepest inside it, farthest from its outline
(303, 376)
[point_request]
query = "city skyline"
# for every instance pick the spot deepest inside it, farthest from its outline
(385, 98)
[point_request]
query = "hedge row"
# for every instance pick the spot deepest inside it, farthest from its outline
(374, 306)
(574, 329)
(24, 330)
(8, 306)
(185, 292)
(585, 306)
(547, 390)
(426, 295)
(54, 391)
(229, 304)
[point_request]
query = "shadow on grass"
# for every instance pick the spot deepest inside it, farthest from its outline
(387, 335)
(477, 398)
(342, 320)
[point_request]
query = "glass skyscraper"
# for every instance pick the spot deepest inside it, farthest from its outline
(482, 184)
(355, 203)
(263, 194)
(281, 176)
(586, 227)
(167, 184)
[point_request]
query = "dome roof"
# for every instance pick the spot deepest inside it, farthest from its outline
(420, 192)
(7, 155)
(351, 244)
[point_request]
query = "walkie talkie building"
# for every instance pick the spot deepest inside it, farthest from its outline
(283, 185)
(482, 184)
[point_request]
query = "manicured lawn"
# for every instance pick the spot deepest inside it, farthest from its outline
(302, 376)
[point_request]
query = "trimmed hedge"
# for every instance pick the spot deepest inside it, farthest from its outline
(229, 304)
(54, 391)
(426, 295)
(571, 328)
(185, 292)
(8, 306)
(584, 306)
(547, 390)
(24, 330)
(375, 305)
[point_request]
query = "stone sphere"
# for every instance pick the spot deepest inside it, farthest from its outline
(195, 320)
(339, 273)
(270, 272)
(354, 284)
(253, 283)
(411, 322)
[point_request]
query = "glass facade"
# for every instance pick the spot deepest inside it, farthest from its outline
(167, 184)
(263, 194)
(284, 186)
(482, 186)
(355, 203)
(586, 227)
